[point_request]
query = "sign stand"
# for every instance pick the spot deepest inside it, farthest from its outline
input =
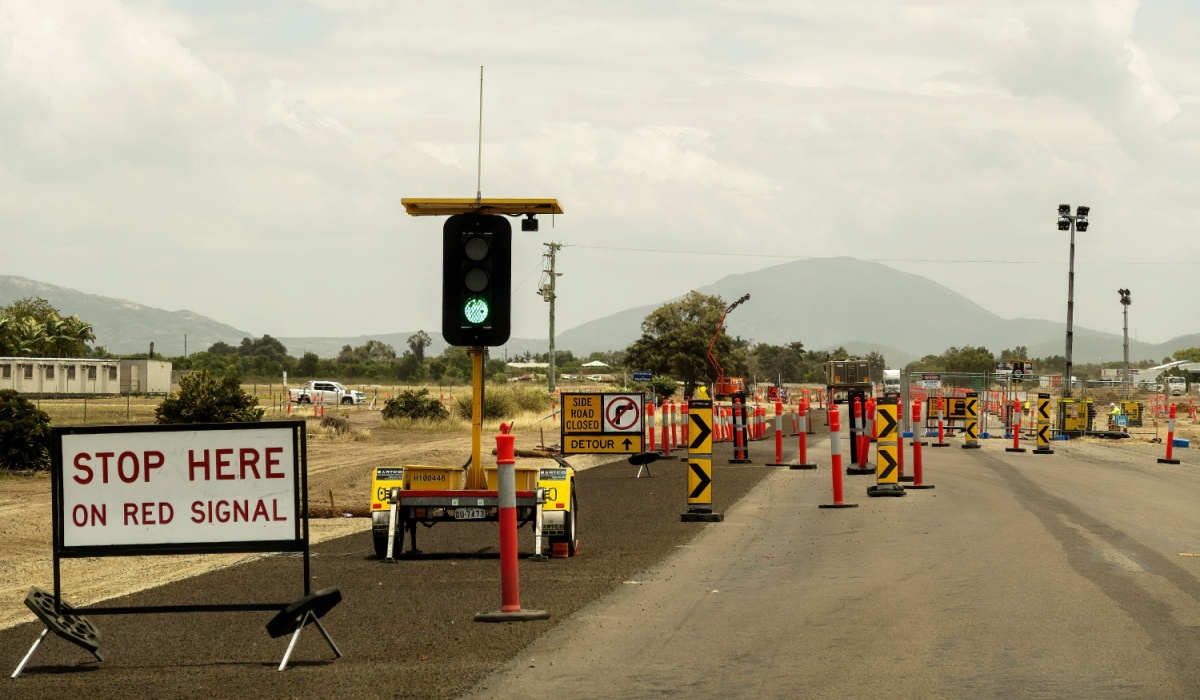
(139, 478)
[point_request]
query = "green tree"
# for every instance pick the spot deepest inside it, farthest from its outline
(24, 433)
(206, 398)
(417, 342)
(307, 365)
(675, 340)
(878, 364)
(1189, 354)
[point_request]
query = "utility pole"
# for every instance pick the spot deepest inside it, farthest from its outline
(1125, 302)
(546, 289)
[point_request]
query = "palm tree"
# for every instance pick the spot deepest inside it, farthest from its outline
(4, 327)
(29, 337)
(81, 333)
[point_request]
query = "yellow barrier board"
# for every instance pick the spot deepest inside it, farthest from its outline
(886, 464)
(699, 482)
(700, 416)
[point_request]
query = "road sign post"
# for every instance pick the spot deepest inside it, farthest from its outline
(699, 478)
(887, 465)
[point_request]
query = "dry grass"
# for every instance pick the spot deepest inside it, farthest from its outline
(104, 411)
(327, 434)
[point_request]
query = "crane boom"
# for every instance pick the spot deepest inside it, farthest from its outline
(712, 358)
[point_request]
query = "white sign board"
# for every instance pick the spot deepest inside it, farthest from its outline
(177, 487)
(622, 413)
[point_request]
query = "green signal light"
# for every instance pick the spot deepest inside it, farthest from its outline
(476, 310)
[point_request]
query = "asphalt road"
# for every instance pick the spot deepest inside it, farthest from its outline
(406, 629)
(1018, 576)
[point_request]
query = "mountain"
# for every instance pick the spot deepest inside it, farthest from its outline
(811, 301)
(124, 326)
(805, 300)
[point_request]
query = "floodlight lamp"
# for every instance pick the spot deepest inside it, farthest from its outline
(1082, 211)
(1064, 210)
(1064, 223)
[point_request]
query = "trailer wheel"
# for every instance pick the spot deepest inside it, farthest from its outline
(570, 536)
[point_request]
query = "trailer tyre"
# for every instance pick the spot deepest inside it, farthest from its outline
(570, 536)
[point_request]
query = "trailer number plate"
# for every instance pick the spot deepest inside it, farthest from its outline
(470, 513)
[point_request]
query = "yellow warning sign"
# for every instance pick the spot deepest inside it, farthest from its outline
(972, 407)
(602, 444)
(582, 413)
(887, 469)
(699, 481)
(886, 425)
(699, 427)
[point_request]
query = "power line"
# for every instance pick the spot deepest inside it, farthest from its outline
(775, 256)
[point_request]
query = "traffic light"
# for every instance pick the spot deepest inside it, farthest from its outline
(476, 279)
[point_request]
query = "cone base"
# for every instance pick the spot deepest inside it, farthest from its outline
(803, 466)
(919, 486)
(1168, 461)
(1040, 451)
(694, 517)
(970, 447)
(515, 616)
(1014, 449)
(885, 490)
(838, 505)
(856, 470)
(940, 444)
(740, 461)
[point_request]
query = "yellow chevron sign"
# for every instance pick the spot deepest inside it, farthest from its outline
(699, 482)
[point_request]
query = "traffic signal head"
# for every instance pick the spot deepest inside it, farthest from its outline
(476, 279)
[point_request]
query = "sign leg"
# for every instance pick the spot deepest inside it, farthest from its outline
(36, 642)
(292, 644)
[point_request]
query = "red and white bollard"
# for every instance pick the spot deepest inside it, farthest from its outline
(864, 440)
(835, 456)
(778, 436)
(941, 424)
(1016, 431)
(683, 429)
(918, 467)
(741, 450)
(506, 499)
(668, 417)
(871, 417)
(650, 423)
(802, 432)
(1170, 438)
(900, 442)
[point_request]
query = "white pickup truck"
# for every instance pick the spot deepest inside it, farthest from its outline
(326, 392)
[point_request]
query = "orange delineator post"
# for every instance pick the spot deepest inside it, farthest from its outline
(778, 436)
(1016, 429)
(802, 432)
(941, 424)
(900, 442)
(683, 429)
(918, 467)
(835, 456)
(1170, 438)
(864, 442)
(667, 435)
(650, 423)
(871, 417)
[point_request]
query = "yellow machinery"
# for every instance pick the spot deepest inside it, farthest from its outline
(1075, 415)
(1133, 410)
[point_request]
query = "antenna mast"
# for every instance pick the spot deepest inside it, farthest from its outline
(479, 147)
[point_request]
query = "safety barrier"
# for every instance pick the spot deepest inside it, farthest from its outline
(1170, 438)
(835, 457)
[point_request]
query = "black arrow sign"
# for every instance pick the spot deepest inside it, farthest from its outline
(627, 443)
(970, 430)
(891, 467)
(889, 425)
(702, 431)
(972, 407)
(1042, 409)
(704, 478)
(1042, 436)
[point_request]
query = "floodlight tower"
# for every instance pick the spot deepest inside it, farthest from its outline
(1125, 308)
(1067, 222)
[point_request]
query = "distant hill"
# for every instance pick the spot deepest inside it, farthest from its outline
(124, 326)
(805, 300)
(811, 301)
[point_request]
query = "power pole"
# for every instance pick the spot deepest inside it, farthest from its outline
(546, 289)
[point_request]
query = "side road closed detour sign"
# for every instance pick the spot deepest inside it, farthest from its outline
(602, 424)
(173, 488)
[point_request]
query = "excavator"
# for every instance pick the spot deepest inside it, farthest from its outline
(725, 387)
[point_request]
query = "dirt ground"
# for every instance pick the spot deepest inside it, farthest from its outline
(341, 470)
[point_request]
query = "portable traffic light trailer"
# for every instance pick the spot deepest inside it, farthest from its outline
(476, 314)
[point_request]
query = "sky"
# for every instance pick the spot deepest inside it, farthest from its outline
(246, 159)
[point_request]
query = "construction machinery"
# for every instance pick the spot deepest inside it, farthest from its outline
(843, 376)
(725, 387)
